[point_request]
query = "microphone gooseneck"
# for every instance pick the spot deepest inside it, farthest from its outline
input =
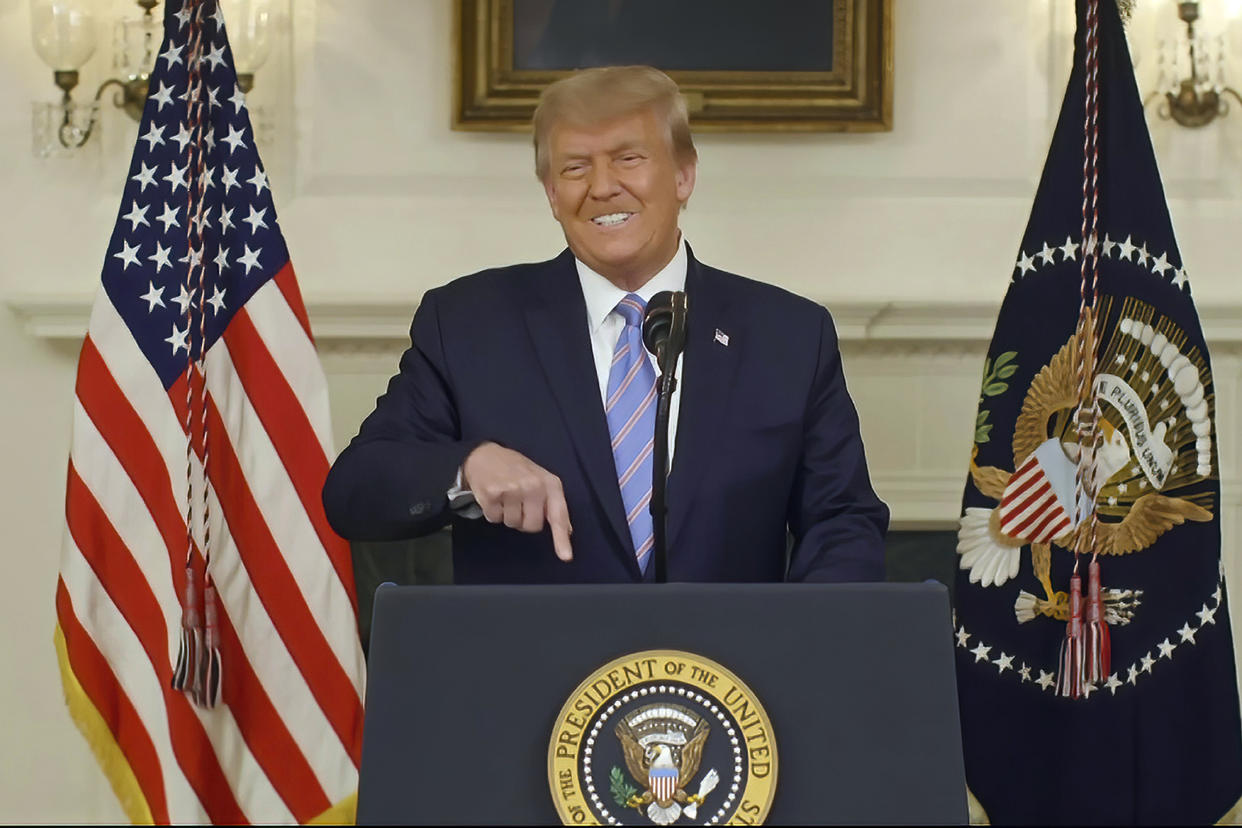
(664, 335)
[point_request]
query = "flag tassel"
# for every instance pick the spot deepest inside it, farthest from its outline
(186, 676)
(1099, 648)
(211, 664)
(1070, 678)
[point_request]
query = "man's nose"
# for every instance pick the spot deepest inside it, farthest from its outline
(603, 182)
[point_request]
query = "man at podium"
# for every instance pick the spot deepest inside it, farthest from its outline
(524, 410)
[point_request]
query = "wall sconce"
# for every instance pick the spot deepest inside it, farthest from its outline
(64, 34)
(1193, 101)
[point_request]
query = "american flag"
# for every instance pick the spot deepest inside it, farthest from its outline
(197, 284)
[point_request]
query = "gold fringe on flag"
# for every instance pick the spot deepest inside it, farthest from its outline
(344, 812)
(107, 752)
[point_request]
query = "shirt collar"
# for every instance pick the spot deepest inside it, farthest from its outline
(602, 295)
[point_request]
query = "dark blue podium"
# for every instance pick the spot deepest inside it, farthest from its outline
(466, 684)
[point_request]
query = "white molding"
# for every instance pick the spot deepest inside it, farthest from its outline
(360, 319)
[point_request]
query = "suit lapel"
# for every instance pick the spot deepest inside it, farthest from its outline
(556, 319)
(709, 368)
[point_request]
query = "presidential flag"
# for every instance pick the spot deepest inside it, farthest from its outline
(206, 612)
(1095, 660)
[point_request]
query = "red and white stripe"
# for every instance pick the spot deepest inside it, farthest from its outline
(285, 743)
(1029, 508)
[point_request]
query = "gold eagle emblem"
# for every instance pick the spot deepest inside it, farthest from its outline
(1150, 387)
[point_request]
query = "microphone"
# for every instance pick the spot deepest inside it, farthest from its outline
(664, 334)
(664, 327)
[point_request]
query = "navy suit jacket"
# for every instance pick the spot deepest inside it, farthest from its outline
(767, 440)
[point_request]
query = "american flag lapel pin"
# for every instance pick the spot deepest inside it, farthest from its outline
(722, 337)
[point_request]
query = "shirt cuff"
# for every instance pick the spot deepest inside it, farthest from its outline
(461, 500)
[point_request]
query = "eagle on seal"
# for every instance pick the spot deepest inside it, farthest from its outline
(663, 748)
(1036, 501)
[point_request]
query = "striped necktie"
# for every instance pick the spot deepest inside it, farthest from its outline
(631, 410)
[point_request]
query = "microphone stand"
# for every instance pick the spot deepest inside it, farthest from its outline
(665, 385)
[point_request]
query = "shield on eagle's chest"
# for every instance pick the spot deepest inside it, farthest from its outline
(663, 782)
(1030, 508)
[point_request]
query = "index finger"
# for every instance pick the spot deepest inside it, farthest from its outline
(558, 521)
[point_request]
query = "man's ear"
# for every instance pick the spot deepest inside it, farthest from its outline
(549, 189)
(685, 180)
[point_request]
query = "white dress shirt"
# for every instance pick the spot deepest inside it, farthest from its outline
(604, 324)
(604, 327)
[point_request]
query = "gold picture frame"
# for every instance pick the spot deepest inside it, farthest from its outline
(499, 75)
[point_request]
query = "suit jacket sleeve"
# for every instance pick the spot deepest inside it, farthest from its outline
(392, 480)
(838, 522)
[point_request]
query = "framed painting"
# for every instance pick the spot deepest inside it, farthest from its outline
(743, 65)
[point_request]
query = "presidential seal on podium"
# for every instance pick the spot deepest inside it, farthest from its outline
(661, 737)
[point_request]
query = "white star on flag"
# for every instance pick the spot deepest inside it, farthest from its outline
(144, 176)
(192, 255)
(1126, 249)
(255, 219)
(259, 180)
(128, 255)
(1160, 264)
(160, 257)
(215, 57)
(183, 299)
(163, 96)
(136, 216)
(234, 139)
(154, 136)
(250, 258)
(169, 217)
(1025, 263)
(176, 178)
(217, 300)
(177, 339)
(182, 138)
(153, 297)
(172, 55)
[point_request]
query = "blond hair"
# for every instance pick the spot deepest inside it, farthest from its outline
(592, 96)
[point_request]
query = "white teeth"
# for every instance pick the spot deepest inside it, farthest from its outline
(611, 219)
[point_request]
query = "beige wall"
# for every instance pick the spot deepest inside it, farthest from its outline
(908, 235)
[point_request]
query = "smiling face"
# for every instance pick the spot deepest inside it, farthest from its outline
(616, 189)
